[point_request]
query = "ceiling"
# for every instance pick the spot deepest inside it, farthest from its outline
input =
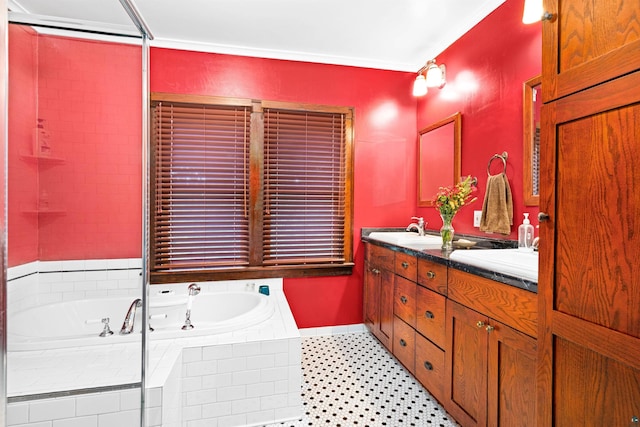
(385, 34)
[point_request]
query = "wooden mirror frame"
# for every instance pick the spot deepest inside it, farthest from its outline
(531, 89)
(455, 120)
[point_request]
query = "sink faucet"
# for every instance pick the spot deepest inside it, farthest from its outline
(129, 319)
(419, 226)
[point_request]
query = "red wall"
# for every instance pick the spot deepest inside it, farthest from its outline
(22, 175)
(486, 69)
(87, 95)
(385, 147)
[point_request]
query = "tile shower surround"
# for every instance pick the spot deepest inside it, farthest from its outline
(246, 377)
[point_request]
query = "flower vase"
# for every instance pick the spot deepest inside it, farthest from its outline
(446, 232)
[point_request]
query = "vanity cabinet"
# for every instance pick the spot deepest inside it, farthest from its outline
(490, 363)
(378, 292)
(419, 326)
(589, 333)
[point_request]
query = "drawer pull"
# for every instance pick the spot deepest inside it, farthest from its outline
(490, 328)
(431, 275)
(428, 366)
(428, 314)
(403, 299)
(375, 271)
(405, 264)
(480, 324)
(403, 343)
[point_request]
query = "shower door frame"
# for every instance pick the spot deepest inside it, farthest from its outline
(145, 35)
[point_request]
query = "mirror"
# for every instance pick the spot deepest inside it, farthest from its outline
(532, 101)
(438, 157)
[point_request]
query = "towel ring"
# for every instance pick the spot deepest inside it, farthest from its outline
(502, 157)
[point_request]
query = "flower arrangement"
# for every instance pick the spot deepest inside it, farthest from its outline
(450, 199)
(448, 202)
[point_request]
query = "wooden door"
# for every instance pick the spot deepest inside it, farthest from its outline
(512, 377)
(589, 281)
(466, 365)
(588, 42)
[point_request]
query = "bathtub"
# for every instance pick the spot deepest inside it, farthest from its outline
(79, 323)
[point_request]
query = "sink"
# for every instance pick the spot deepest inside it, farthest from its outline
(514, 262)
(405, 238)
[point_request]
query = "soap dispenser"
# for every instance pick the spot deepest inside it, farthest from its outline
(525, 234)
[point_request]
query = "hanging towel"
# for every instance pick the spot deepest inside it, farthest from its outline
(497, 208)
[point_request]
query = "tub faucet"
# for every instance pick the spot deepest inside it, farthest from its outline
(130, 318)
(194, 290)
(419, 226)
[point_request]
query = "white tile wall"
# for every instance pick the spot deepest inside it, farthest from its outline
(46, 282)
(118, 408)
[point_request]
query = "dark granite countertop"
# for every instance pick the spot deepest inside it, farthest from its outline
(442, 257)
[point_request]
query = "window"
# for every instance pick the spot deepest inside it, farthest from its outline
(249, 189)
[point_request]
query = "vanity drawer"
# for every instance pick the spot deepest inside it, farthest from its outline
(430, 319)
(404, 343)
(380, 257)
(404, 300)
(429, 367)
(433, 276)
(512, 306)
(406, 266)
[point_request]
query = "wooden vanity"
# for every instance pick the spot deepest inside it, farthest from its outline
(469, 340)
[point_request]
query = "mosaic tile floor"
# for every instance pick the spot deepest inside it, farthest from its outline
(350, 380)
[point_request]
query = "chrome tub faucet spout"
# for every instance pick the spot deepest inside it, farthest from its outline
(417, 226)
(130, 318)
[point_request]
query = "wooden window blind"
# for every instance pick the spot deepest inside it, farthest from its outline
(200, 191)
(304, 187)
(248, 189)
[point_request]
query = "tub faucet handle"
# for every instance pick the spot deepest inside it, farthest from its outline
(106, 331)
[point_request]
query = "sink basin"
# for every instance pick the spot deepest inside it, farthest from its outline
(513, 262)
(405, 238)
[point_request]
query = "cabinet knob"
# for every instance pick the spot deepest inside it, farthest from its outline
(490, 328)
(431, 275)
(480, 324)
(403, 299)
(403, 343)
(542, 216)
(428, 366)
(375, 271)
(635, 420)
(405, 264)
(428, 314)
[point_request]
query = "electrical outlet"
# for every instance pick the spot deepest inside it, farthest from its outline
(477, 215)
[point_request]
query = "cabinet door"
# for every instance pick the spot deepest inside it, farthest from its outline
(512, 377)
(589, 335)
(466, 365)
(385, 327)
(588, 42)
(371, 297)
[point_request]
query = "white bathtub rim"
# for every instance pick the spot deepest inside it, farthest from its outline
(264, 311)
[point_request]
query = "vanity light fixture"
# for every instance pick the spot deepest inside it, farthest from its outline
(431, 75)
(534, 12)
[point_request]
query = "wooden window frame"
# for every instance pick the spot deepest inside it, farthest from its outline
(257, 268)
